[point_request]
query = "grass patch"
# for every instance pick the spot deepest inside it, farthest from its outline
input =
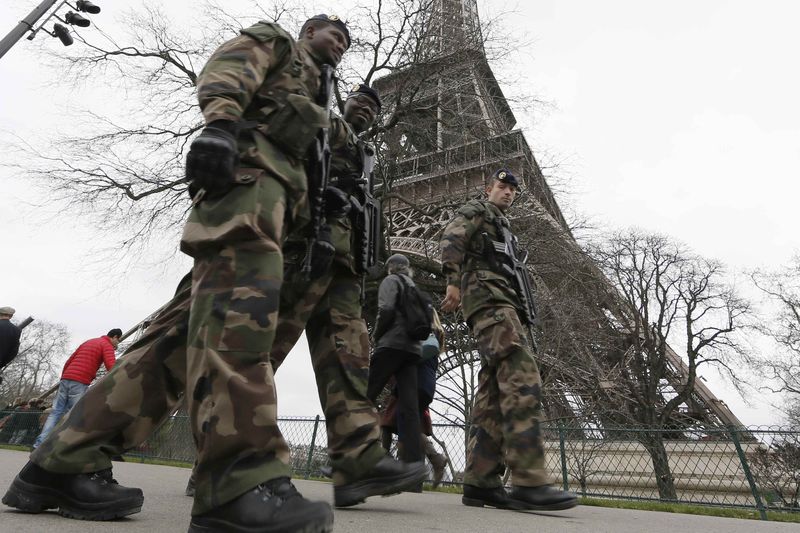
(774, 516)
(159, 462)
(15, 448)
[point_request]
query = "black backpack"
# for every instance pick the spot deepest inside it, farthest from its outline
(417, 309)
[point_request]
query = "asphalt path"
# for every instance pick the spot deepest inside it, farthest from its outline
(166, 509)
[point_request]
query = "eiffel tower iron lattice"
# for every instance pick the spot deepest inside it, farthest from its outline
(453, 126)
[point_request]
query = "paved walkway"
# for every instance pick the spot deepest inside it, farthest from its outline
(166, 509)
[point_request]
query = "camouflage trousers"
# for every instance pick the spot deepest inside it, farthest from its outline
(230, 391)
(507, 413)
(212, 339)
(329, 310)
(122, 409)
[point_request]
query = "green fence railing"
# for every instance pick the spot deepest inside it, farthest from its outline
(756, 468)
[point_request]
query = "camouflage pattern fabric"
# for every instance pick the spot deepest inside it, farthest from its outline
(507, 413)
(122, 409)
(230, 315)
(464, 264)
(329, 310)
(236, 244)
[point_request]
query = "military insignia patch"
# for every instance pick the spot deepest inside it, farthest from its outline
(355, 88)
(502, 175)
(333, 18)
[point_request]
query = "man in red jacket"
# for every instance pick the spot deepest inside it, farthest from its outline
(79, 371)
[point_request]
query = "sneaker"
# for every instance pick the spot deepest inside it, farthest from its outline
(496, 497)
(387, 477)
(272, 507)
(94, 496)
(543, 498)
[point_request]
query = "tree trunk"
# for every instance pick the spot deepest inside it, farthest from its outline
(654, 443)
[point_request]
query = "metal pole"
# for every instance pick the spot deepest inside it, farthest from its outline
(25, 25)
(311, 448)
(564, 476)
(746, 468)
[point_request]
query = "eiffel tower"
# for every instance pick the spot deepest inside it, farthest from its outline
(453, 126)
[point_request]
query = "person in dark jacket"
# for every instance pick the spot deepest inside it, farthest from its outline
(426, 389)
(396, 354)
(9, 336)
(79, 371)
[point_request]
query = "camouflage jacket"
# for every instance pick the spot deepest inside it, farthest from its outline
(464, 263)
(268, 82)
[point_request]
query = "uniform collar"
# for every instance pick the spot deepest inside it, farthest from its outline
(311, 52)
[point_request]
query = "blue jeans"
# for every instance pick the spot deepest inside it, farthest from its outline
(69, 392)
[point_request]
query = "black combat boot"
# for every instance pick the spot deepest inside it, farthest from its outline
(95, 496)
(388, 476)
(272, 507)
(478, 497)
(544, 498)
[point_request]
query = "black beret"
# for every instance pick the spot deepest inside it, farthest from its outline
(363, 88)
(506, 176)
(336, 21)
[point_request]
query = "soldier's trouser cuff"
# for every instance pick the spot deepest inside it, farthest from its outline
(530, 478)
(57, 464)
(236, 484)
(489, 482)
(350, 469)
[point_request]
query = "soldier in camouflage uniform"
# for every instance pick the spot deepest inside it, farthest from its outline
(250, 191)
(506, 416)
(329, 309)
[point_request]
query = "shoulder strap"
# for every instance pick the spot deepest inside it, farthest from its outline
(264, 31)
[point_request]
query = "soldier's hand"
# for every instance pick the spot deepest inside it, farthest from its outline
(322, 253)
(213, 158)
(452, 299)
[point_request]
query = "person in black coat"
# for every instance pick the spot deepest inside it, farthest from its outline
(9, 336)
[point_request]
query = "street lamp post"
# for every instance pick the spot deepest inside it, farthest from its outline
(60, 31)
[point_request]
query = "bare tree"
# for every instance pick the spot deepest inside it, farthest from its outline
(661, 292)
(781, 366)
(43, 345)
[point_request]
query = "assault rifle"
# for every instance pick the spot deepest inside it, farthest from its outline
(319, 169)
(366, 214)
(513, 265)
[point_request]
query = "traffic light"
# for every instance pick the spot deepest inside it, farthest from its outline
(87, 7)
(61, 31)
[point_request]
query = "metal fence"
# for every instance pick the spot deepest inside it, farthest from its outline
(748, 468)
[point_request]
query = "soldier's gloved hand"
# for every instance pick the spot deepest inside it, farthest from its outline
(322, 253)
(213, 158)
(337, 202)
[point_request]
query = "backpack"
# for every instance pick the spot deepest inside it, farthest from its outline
(417, 308)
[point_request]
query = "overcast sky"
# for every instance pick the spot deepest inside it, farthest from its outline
(680, 117)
